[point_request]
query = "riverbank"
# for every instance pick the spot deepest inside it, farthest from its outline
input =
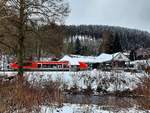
(128, 92)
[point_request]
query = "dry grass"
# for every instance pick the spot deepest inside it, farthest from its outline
(144, 91)
(144, 87)
(16, 95)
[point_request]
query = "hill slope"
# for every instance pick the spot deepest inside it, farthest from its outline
(129, 38)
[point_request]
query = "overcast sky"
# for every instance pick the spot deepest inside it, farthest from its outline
(126, 13)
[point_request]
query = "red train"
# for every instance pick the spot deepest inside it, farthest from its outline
(51, 65)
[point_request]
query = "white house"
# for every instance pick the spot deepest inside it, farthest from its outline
(120, 57)
(100, 61)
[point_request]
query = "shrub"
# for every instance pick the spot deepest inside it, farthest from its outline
(23, 97)
(143, 90)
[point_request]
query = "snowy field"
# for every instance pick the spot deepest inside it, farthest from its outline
(76, 108)
(109, 81)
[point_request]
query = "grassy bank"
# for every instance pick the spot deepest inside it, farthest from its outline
(24, 98)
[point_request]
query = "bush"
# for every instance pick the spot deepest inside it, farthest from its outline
(143, 90)
(88, 90)
(23, 97)
(74, 89)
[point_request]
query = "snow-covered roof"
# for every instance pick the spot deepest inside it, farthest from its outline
(126, 53)
(120, 57)
(71, 61)
(104, 58)
(109, 57)
(145, 62)
(75, 59)
(87, 59)
(45, 59)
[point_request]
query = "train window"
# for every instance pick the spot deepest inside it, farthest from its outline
(51, 66)
(45, 66)
(59, 66)
(54, 66)
(65, 66)
(39, 66)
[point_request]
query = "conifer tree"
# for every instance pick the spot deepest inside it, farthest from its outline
(116, 45)
(77, 46)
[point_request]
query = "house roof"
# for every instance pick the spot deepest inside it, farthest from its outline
(70, 60)
(146, 62)
(87, 59)
(75, 59)
(104, 58)
(119, 57)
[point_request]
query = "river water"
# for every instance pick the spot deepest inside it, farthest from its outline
(100, 104)
(109, 101)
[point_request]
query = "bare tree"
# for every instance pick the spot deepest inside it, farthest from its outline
(21, 14)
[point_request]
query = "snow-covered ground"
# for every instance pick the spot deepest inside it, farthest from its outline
(76, 108)
(108, 81)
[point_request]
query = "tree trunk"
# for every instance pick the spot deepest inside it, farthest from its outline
(38, 51)
(21, 38)
(20, 57)
(39, 54)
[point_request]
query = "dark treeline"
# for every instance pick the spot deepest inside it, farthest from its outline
(59, 40)
(129, 38)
